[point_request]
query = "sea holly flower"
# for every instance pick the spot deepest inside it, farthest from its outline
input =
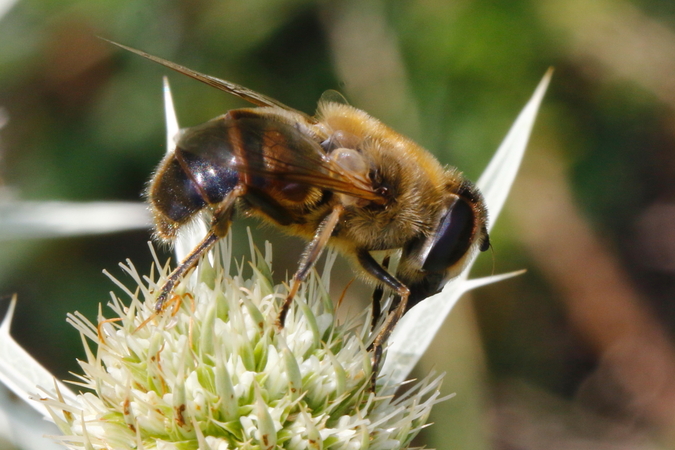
(214, 372)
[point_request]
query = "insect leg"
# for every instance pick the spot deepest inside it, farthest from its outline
(378, 293)
(312, 253)
(397, 308)
(220, 225)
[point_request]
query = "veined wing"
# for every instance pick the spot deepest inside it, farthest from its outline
(277, 150)
(242, 92)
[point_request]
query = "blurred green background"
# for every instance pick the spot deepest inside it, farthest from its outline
(576, 353)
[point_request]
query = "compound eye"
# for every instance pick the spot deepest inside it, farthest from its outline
(453, 238)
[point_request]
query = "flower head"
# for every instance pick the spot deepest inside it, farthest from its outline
(214, 371)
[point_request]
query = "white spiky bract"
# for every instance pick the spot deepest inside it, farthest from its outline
(417, 328)
(214, 371)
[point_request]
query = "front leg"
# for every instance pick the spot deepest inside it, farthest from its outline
(395, 312)
(312, 253)
(378, 295)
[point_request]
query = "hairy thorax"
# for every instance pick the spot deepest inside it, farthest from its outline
(414, 182)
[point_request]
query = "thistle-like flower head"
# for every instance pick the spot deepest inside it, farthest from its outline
(215, 372)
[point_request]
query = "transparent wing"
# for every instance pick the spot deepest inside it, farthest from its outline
(242, 92)
(288, 155)
(332, 96)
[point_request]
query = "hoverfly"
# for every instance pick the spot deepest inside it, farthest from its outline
(340, 178)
